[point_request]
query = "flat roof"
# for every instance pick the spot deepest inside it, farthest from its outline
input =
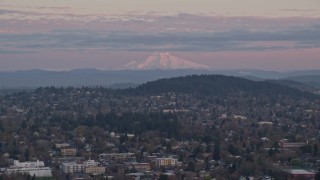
(300, 171)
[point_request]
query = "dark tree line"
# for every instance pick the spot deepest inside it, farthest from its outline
(137, 123)
(218, 85)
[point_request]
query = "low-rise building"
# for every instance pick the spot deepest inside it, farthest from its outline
(68, 151)
(166, 162)
(122, 157)
(28, 164)
(262, 123)
(62, 145)
(296, 174)
(95, 170)
(292, 144)
(92, 167)
(141, 166)
(38, 172)
(91, 163)
(73, 167)
(36, 168)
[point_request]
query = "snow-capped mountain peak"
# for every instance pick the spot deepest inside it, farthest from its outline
(165, 61)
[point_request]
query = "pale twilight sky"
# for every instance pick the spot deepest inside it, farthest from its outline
(68, 34)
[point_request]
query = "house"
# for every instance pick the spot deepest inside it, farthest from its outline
(62, 145)
(296, 174)
(118, 157)
(262, 123)
(239, 117)
(134, 175)
(291, 145)
(68, 151)
(140, 167)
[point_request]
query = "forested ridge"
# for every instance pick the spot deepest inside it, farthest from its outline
(218, 85)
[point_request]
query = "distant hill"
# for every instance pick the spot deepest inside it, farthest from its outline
(218, 85)
(86, 77)
(106, 78)
(298, 85)
(122, 86)
(252, 78)
(312, 80)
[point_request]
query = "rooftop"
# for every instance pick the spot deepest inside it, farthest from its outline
(300, 171)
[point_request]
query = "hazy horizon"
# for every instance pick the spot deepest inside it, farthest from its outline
(64, 35)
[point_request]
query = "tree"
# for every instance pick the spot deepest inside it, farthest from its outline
(216, 152)
(163, 177)
(191, 166)
(169, 148)
(318, 175)
(248, 168)
(1, 126)
(24, 124)
(271, 152)
(315, 149)
(26, 154)
(232, 149)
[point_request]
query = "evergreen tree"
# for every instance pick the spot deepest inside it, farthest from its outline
(315, 149)
(27, 154)
(216, 152)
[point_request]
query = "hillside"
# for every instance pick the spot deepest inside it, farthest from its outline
(297, 85)
(218, 85)
(85, 77)
(94, 77)
(312, 80)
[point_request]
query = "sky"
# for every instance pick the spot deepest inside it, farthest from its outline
(106, 34)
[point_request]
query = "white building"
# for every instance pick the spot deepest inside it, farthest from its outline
(261, 123)
(28, 164)
(73, 167)
(32, 168)
(89, 167)
(38, 172)
(91, 163)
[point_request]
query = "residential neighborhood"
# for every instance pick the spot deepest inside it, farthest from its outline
(98, 133)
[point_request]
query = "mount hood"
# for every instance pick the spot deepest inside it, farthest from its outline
(163, 61)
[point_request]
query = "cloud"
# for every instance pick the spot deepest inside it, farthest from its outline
(7, 11)
(299, 10)
(155, 32)
(7, 51)
(230, 40)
